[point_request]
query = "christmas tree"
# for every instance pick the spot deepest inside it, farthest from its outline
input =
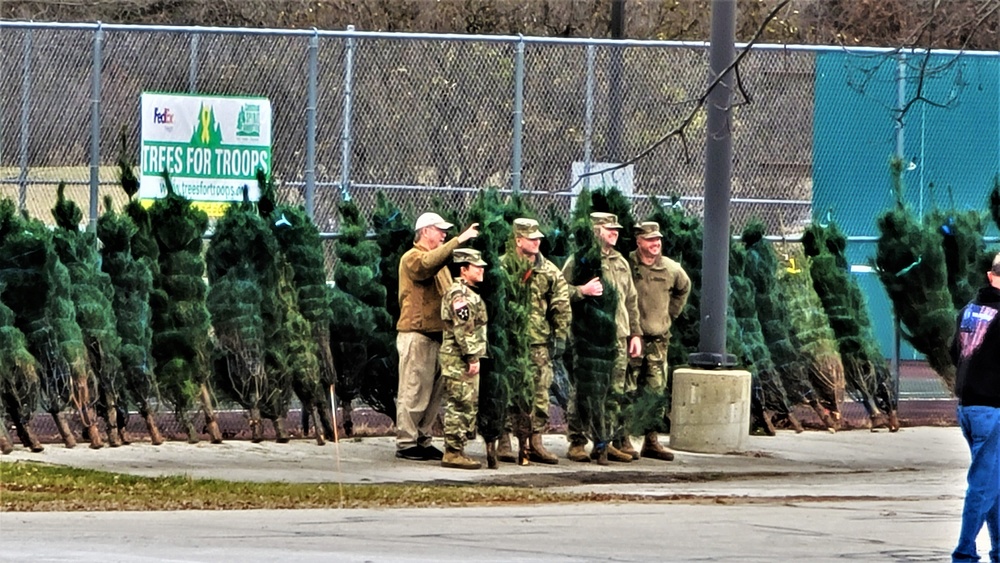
(910, 262)
(556, 246)
(242, 277)
(132, 281)
(506, 388)
(92, 293)
(594, 341)
(38, 291)
(299, 241)
(181, 322)
(787, 385)
(751, 348)
(813, 338)
(19, 384)
(866, 375)
(361, 331)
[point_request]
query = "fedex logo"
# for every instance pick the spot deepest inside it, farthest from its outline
(164, 117)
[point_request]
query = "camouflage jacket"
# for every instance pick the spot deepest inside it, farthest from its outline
(464, 316)
(550, 310)
(663, 290)
(615, 271)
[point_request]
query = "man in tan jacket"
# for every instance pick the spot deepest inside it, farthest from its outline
(615, 269)
(663, 288)
(423, 279)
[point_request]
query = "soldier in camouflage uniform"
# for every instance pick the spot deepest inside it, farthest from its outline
(464, 343)
(663, 287)
(548, 326)
(615, 269)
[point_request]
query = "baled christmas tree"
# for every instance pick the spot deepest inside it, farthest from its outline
(92, 293)
(181, 322)
(242, 277)
(299, 241)
(19, 384)
(38, 290)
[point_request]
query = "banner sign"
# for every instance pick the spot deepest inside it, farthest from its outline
(211, 146)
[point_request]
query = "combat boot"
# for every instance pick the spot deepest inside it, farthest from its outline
(491, 454)
(625, 446)
(577, 452)
(893, 421)
(600, 454)
(539, 453)
(652, 449)
(504, 451)
(456, 459)
(610, 452)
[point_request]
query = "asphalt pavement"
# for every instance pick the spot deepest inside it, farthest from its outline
(815, 496)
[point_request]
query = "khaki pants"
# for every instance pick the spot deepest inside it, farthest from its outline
(420, 388)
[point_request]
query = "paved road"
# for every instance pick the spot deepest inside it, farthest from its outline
(855, 496)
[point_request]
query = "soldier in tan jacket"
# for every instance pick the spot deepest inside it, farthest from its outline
(423, 279)
(615, 269)
(663, 287)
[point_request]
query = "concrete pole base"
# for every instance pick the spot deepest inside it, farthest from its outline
(710, 411)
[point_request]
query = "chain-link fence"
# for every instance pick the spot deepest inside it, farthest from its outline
(414, 115)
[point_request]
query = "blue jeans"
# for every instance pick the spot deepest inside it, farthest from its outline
(981, 428)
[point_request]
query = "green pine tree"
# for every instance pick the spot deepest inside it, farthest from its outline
(38, 290)
(132, 281)
(813, 337)
(910, 262)
(865, 372)
(300, 243)
(19, 383)
(242, 300)
(789, 384)
(594, 342)
(181, 322)
(361, 331)
(92, 294)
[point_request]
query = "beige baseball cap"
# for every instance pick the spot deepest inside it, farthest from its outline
(648, 229)
(467, 256)
(432, 220)
(527, 228)
(606, 220)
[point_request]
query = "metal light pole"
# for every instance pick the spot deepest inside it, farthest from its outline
(718, 171)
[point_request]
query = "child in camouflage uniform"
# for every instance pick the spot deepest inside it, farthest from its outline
(464, 343)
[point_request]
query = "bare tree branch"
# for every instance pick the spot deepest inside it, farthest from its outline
(680, 130)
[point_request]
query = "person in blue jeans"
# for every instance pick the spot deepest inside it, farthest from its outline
(976, 353)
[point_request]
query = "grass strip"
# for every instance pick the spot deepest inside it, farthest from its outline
(38, 487)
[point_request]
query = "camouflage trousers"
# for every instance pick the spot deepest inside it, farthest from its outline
(541, 374)
(651, 377)
(622, 384)
(461, 401)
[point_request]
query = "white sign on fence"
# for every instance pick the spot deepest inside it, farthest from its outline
(588, 175)
(211, 146)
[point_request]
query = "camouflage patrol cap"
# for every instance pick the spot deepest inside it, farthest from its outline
(527, 228)
(648, 229)
(606, 220)
(467, 256)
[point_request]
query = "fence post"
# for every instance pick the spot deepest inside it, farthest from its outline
(345, 154)
(900, 151)
(311, 125)
(193, 63)
(516, 165)
(95, 127)
(22, 178)
(588, 124)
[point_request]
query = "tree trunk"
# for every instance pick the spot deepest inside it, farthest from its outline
(280, 434)
(154, 431)
(212, 425)
(67, 435)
